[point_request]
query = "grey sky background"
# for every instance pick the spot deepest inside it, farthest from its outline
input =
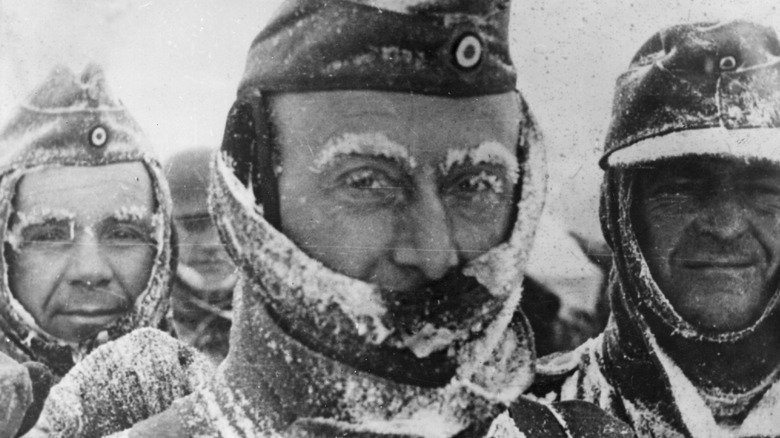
(176, 64)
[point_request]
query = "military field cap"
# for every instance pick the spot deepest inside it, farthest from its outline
(437, 47)
(188, 177)
(71, 120)
(699, 89)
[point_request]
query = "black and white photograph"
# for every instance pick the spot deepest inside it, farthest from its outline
(389, 218)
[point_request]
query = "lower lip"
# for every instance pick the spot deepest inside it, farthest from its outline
(100, 317)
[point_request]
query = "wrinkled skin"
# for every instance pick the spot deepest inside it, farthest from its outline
(75, 287)
(710, 232)
(399, 222)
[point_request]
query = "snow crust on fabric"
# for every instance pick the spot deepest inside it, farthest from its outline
(122, 383)
(15, 395)
(756, 144)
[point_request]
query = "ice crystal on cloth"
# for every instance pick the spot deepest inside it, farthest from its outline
(15, 395)
(697, 415)
(504, 427)
(122, 383)
(372, 143)
(403, 6)
(489, 152)
(429, 339)
(757, 143)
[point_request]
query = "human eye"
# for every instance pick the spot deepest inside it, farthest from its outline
(675, 189)
(369, 185)
(47, 233)
(478, 184)
(764, 194)
(367, 179)
(126, 234)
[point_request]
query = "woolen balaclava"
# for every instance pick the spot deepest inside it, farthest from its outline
(76, 121)
(314, 348)
(694, 90)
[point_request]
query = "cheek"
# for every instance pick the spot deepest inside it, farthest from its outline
(477, 230)
(33, 279)
(659, 229)
(347, 240)
(134, 270)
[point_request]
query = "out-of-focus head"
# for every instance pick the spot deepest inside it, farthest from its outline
(85, 214)
(204, 264)
(692, 195)
(381, 179)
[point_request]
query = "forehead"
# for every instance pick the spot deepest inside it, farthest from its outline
(712, 168)
(86, 191)
(426, 125)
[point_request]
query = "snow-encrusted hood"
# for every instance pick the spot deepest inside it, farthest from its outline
(718, 87)
(75, 121)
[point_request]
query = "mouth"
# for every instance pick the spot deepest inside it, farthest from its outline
(211, 266)
(93, 316)
(703, 263)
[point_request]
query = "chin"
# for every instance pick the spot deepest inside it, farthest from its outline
(722, 312)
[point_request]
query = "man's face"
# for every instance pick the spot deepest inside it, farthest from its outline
(396, 189)
(83, 245)
(199, 244)
(710, 232)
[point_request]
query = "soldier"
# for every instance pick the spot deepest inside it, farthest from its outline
(691, 209)
(86, 225)
(202, 294)
(378, 187)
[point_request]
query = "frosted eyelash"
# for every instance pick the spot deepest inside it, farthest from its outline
(489, 152)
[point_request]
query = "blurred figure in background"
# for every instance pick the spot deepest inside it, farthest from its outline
(202, 294)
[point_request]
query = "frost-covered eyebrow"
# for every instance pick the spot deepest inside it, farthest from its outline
(489, 152)
(367, 143)
(133, 213)
(41, 216)
(37, 217)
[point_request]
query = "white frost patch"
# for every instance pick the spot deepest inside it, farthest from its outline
(430, 339)
(489, 152)
(400, 6)
(762, 143)
(762, 420)
(368, 143)
(135, 213)
(504, 427)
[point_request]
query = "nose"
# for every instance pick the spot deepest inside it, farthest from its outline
(723, 216)
(88, 265)
(425, 242)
